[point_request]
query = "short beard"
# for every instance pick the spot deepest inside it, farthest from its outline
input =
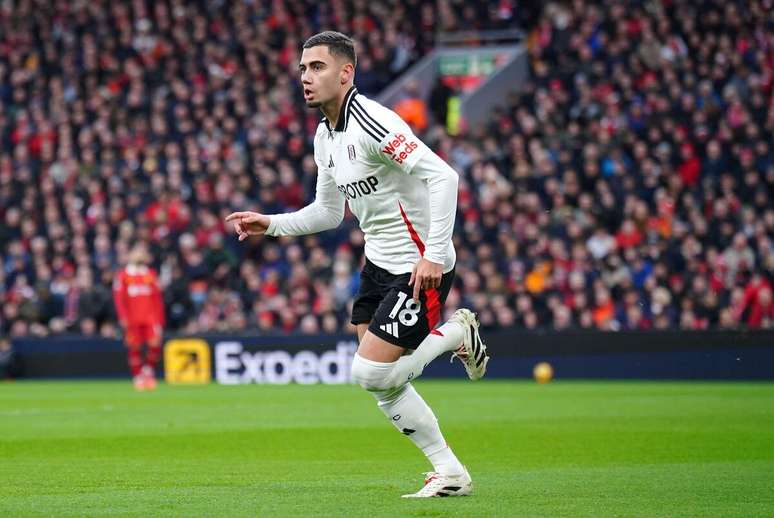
(313, 104)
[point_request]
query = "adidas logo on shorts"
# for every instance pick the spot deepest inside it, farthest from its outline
(391, 328)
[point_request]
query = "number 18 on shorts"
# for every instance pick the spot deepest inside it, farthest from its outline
(385, 300)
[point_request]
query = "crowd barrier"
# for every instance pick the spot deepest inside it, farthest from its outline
(308, 359)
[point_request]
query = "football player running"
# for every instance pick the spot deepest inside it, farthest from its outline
(405, 198)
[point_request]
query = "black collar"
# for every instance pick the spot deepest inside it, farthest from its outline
(341, 123)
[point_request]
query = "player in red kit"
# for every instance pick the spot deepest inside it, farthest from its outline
(140, 310)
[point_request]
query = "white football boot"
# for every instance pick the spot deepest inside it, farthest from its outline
(444, 485)
(472, 353)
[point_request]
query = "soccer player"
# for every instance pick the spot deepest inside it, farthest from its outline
(140, 310)
(405, 199)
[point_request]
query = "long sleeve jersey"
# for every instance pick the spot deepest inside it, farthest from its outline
(402, 193)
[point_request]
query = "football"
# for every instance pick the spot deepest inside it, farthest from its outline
(543, 372)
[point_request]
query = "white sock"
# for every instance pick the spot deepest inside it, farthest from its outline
(406, 409)
(445, 462)
(446, 338)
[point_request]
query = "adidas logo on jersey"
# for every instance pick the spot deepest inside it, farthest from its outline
(390, 329)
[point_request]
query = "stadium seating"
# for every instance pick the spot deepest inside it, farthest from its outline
(627, 187)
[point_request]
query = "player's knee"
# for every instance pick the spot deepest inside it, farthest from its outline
(372, 376)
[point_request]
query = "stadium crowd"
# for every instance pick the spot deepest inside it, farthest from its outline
(627, 186)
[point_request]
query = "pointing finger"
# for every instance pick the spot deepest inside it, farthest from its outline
(236, 215)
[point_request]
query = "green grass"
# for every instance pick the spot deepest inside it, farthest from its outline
(564, 449)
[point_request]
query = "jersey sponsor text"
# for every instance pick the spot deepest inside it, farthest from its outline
(359, 188)
(392, 148)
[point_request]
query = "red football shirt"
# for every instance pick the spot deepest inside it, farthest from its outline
(137, 296)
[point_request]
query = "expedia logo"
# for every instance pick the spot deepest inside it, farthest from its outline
(398, 149)
(359, 188)
(234, 365)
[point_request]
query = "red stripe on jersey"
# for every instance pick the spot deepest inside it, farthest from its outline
(436, 332)
(414, 236)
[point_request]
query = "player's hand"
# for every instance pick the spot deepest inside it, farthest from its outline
(426, 276)
(249, 223)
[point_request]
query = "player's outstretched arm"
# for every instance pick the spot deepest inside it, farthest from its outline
(249, 223)
(324, 213)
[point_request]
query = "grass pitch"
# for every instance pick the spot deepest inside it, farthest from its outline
(563, 449)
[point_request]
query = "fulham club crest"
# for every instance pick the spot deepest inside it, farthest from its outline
(351, 151)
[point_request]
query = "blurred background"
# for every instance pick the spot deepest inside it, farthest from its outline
(616, 166)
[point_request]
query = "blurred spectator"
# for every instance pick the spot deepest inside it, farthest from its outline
(756, 308)
(627, 185)
(439, 102)
(412, 108)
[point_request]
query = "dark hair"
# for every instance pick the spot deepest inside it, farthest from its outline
(338, 44)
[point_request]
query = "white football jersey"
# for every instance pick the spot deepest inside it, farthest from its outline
(374, 162)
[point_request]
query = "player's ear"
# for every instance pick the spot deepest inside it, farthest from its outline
(347, 72)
